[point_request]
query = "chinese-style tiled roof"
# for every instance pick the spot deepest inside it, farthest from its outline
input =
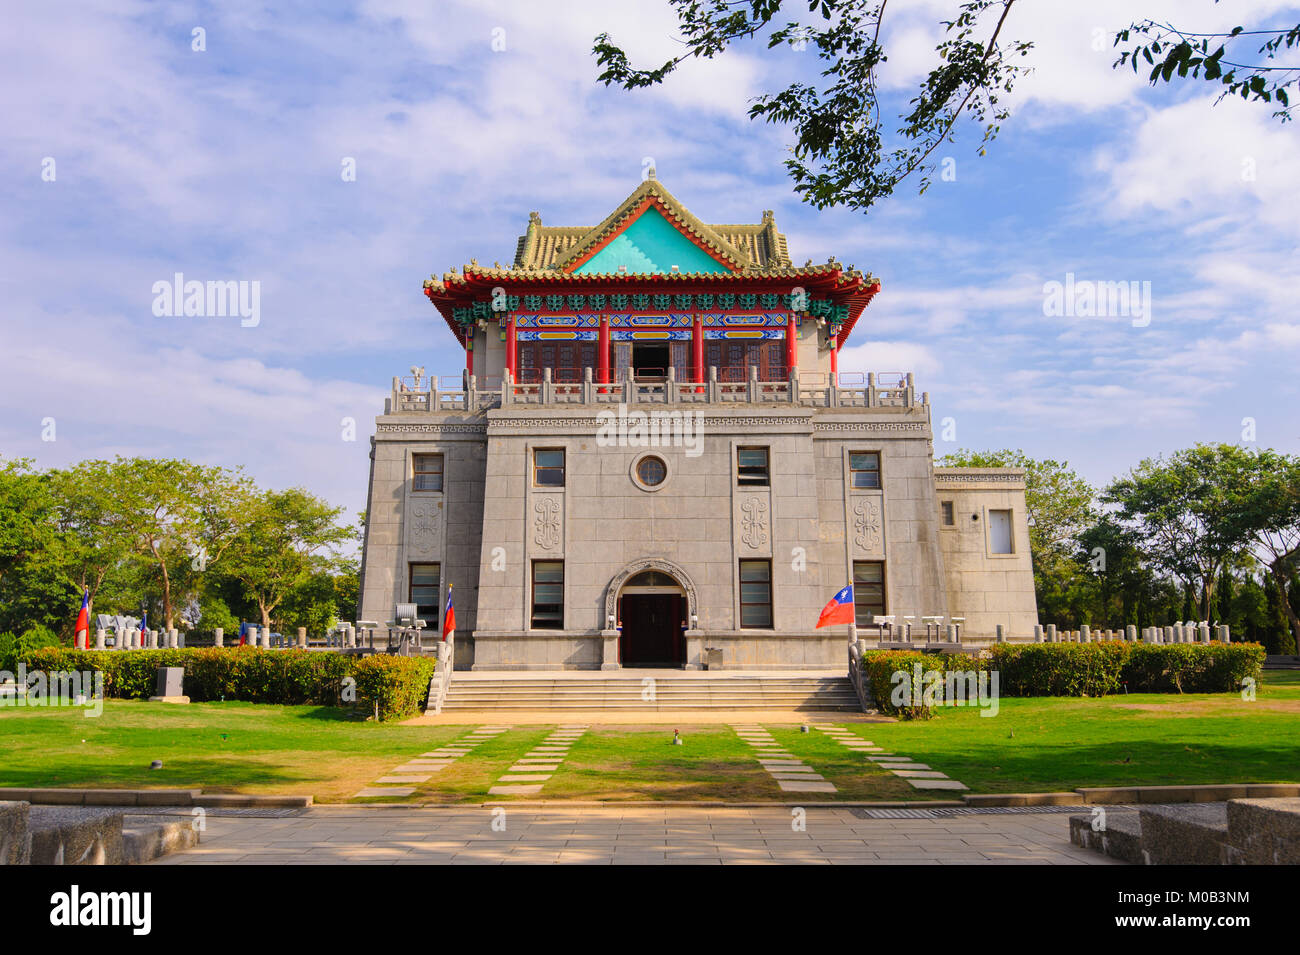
(546, 258)
(756, 246)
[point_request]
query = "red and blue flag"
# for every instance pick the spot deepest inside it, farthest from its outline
(839, 610)
(83, 622)
(449, 618)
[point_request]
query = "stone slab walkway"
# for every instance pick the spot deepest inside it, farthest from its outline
(531, 771)
(419, 769)
(789, 772)
(679, 835)
(917, 775)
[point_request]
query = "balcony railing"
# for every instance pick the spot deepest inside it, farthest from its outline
(816, 390)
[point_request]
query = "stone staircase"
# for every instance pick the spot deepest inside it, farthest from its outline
(669, 692)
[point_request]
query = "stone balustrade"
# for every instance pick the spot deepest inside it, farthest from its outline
(813, 390)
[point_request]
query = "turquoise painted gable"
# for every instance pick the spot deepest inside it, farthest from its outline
(650, 245)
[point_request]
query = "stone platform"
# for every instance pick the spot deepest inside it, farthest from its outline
(1237, 832)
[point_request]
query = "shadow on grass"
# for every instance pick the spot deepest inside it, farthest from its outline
(208, 775)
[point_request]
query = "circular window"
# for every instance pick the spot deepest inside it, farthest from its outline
(650, 472)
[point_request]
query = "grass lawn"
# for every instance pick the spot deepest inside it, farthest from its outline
(217, 747)
(1031, 745)
(1054, 744)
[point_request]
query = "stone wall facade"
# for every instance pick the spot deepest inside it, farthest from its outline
(490, 522)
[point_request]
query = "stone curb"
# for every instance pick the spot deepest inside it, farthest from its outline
(150, 797)
(648, 804)
(1208, 792)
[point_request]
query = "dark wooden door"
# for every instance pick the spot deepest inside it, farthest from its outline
(652, 633)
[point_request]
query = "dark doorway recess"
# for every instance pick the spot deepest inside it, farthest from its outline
(652, 631)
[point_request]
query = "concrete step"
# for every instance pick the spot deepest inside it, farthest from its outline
(627, 693)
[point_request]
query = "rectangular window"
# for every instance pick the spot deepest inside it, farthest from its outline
(868, 590)
(548, 595)
(548, 467)
(1000, 532)
(948, 519)
(751, 466)
(864, 468)
(428, 472)
(756, 593)
(425, 579)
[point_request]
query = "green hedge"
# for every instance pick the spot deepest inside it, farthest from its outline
(1073, 669)
(399, 685)
(1099, 669)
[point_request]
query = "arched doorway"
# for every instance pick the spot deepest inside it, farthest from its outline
(652, 611)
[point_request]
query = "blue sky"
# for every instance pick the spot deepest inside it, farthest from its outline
(225, 164)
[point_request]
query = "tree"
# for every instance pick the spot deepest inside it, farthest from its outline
(1183, 509)
(180, 516)
(287, 539)
(92, 539)
(842, 153)
(31, 594)
(1171, 51)
(26, 513)
(1265, 513)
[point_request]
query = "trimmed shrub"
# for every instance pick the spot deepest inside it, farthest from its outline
(399, 685)
(12, 648)
(1065, 669)
(1192, 667)
(1060, 669)
(906, 696)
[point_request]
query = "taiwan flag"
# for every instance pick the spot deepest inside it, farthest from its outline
(83, 623)
(839, 610)
(449, 618)
(144, 627)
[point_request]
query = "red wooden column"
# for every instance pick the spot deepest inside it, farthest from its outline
(512, 347)
(835, 359)
(469, 351)
(791, 343)
(602, 351)
(697, 347)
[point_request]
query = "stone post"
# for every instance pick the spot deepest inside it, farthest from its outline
(1085, 633)
(1051, 633)
(1131, 633)
(153, 640)
(173, 639)
(218, 637)
(1224, 635)
(1203, 632)
(250, 637)
(302, 637)
(1038, 633)
(1169, 635)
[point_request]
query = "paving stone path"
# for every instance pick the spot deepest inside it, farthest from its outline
(421, 768)
(639, 835)
(527, 776)
(790, 772)
(919, 775)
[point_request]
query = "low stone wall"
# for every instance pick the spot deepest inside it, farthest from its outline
(1253, 831)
